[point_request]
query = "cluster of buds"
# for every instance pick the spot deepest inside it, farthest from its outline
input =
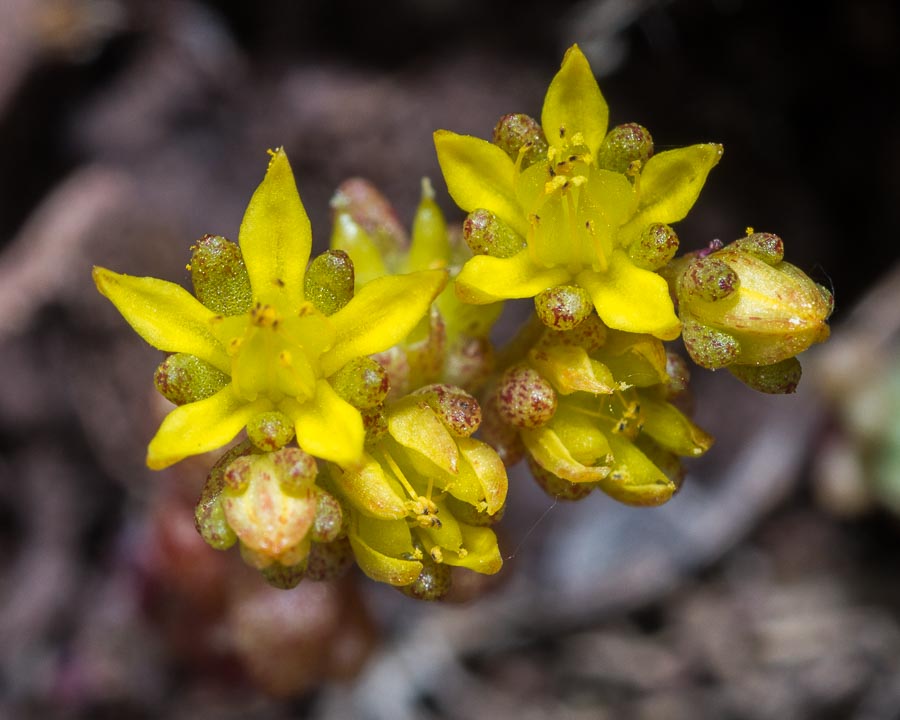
(354, 379)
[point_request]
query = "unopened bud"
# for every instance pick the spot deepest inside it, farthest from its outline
(270, 431)
(518, 133)
(486, 234)
(329, 519)
(708, 347)
(708, 279)
(219, 276)
(329, 561)
(329, 281)
(433, 582)
(284, 577)
(524, 398)
(182, 378)
(623, 146)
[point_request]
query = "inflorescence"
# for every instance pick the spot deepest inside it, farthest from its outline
(357, 380)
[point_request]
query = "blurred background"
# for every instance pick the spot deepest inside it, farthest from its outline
(768, 588)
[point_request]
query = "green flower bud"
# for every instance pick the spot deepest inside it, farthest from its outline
(329, 519)
(209, 516)
(486, 234)
(563, 307)
(780, 378)
(457, 410)
(270, 431)
(708, 279)
(219, 276)
(329, 281)
(623, 146)
(524, 398)
(329, 561)
(433, 582)
(655, 247)
(518, 133)
(284, 577)
(183, 378)
(555, 486)
(362, 382)
(708, 347)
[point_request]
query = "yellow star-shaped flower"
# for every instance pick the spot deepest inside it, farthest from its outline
(280, 354)
(577, 218)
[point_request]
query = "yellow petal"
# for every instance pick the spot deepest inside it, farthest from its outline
(429, 247)
(635, 359)
(574, 102)
(165, 314)
(485, 279)
(634, 479)
(200, 427)
(570, 369)
(275, 236)
(670, 183)
(328, 427)
(479, 175)
(673, 430)
(417, 428)
(489, 470)
(380, 315)
(632, 299)
(448, 535)
(481, 551)
(372, 491)
(378, 546)
(550, 453)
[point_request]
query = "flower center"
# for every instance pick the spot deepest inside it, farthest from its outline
(276, 355)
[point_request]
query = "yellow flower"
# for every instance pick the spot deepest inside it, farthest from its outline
(279, 355)
(577, 218)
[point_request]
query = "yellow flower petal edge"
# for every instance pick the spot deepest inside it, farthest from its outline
(631, 299)
(485, 279)
(200, 427)
(328, 427)
(634, 479)
(164, 314)
(275, 235)
(671, 182)
(479, 175)
(381, 314)
(551, 454)
(574, 103)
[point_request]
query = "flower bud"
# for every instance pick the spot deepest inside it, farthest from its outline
(624, 145)
(469, 362)
(270, 431)
(457, 410)
(563, 307)
(182, 378)
(779, 378)
(555, 486)
(742, 304)
(486, 234)
(329, 561)
(362, 382)
(373, 212)
(209, 516)
(518, 133)
(219, 276)
(501, 436)
(524, 398)
(329, 520)
(329, 281)
(433, 582)
(655, 247)
(590, 334)
(284, 577)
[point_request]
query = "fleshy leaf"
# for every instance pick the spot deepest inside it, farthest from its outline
(574, 102)
(275, 235)
(200, 427)
(381, 314)
(479, 175)
(485, 279)
(551, 454)
(631, 299)
(164, 314)
(328, 427)
(671, 182)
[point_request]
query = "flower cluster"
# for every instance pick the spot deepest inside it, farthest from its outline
(354, 377)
